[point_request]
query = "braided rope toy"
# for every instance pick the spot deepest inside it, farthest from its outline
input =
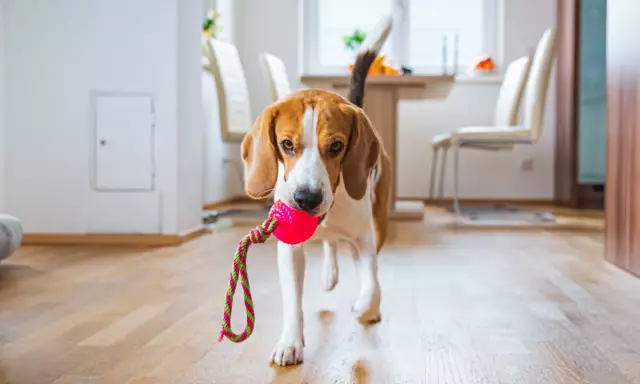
(287, 225)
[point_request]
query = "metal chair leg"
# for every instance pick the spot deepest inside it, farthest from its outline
(442, 173)
(456, 180)
(432, 182)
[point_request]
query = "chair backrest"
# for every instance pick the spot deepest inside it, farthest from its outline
(511, 91)
(276, 75)
(231, 85)
(535, 96)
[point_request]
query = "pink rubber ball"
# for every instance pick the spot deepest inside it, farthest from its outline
(294, 226)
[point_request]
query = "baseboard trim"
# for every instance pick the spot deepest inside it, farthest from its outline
(193, 234)
(224, 203)
(111, 239)
(480, 201)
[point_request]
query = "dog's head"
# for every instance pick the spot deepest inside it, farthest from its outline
(314, 138)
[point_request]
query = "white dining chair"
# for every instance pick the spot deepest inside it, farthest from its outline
(231, 85)
(276, 76)
(222, 60)
(506, 133)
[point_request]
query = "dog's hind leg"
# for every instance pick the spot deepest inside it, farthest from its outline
(363, 250)
(330, 265)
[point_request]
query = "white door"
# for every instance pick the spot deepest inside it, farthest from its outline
(124, 158)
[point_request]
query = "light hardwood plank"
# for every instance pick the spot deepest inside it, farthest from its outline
(460, 305)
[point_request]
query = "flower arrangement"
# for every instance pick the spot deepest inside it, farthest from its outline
(211, 25)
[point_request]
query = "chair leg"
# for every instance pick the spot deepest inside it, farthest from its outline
(456, 180)
(432, 181)
(442, 174)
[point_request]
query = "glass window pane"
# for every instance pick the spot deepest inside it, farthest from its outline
(339, 18)
(430, 21)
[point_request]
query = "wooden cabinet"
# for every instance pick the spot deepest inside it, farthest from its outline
(622, 235)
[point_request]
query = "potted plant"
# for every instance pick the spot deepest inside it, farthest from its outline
(354, 41)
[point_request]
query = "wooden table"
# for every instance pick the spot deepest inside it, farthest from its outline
(381, 105)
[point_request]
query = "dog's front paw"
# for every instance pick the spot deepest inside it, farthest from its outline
(288, 351)
(367, 308)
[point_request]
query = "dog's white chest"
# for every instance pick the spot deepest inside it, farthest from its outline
(347, 219)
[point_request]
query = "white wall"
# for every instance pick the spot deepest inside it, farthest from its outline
(264, 26)
(115, 45)
(190, 118)
(206, 6)
(2, 134)
(267, 26)
(228, 13)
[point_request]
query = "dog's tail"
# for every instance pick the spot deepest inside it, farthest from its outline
(359, 76)
(366, 55)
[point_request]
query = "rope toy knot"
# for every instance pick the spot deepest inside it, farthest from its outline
(257, 235)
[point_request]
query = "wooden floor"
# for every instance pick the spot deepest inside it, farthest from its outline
(459, 306)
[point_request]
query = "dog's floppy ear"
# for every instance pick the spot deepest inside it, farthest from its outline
(259, 156)
(362, 154)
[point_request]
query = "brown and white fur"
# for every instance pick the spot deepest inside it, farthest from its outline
(318, 151)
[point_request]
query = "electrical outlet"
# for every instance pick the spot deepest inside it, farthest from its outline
(527, 164)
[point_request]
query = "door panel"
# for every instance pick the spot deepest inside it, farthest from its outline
(124, 143)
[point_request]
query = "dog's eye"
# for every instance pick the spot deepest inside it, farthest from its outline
(336, 147)
(287, 146)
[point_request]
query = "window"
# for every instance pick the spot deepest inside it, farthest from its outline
(424, 35)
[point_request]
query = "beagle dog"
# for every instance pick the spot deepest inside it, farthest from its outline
(317, 151)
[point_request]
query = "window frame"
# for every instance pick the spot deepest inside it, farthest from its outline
(400, 48)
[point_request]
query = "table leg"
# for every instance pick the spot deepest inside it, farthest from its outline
(381, 106)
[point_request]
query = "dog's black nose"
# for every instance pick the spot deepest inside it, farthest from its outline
(307, 199)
